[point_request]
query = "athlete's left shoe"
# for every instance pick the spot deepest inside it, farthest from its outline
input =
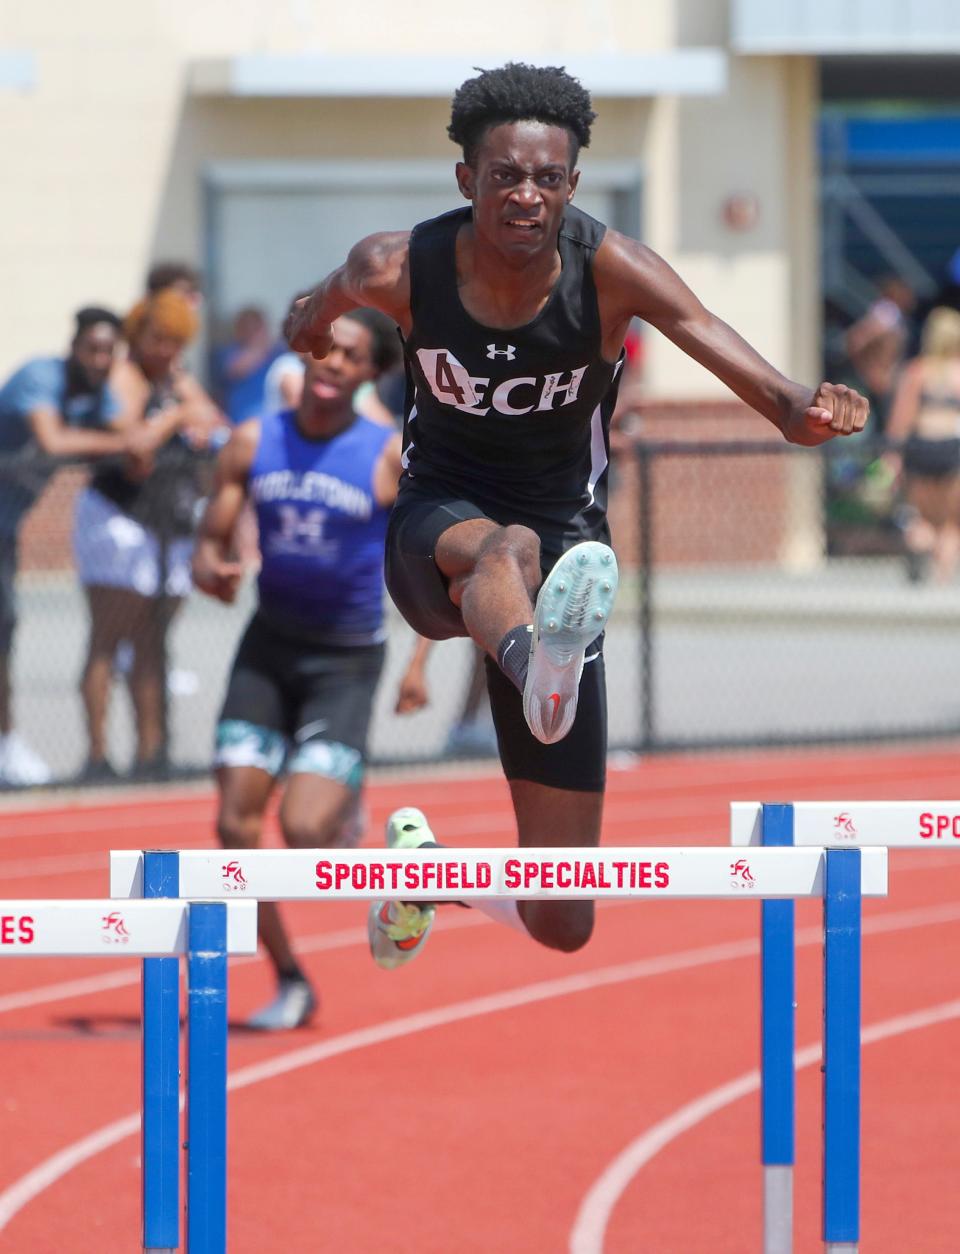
(572, 609)
(397, 930)
(294, 1005)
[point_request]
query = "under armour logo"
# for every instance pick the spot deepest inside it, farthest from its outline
(493, 352)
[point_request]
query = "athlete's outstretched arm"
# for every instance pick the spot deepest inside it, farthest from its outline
(632, 281)
(215, 571)
(376, 275)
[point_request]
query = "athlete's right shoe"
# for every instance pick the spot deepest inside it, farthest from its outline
(397, 929)
(572, 609)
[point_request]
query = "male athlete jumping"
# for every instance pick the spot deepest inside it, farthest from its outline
(513, 313)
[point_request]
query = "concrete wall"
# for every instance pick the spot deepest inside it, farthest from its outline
(754, 143)
(105, 154)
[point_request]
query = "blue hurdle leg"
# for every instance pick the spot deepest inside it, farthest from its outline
(207, 1079)
(841, 1052)
(160, 1131)
(777, 1045)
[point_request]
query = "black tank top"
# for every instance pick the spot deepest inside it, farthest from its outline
(167, 500)
(515, 421)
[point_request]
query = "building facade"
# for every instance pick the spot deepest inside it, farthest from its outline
(259, 139)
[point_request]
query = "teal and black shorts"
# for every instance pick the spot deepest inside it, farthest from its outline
(297, 706)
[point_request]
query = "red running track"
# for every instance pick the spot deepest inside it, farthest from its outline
(478, 1099)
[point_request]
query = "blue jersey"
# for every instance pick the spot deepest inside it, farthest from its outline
(322, 532)
(43, 383)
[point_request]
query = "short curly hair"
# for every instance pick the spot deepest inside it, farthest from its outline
(384, 337)
(518, 92)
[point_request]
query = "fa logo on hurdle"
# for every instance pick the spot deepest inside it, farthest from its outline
(740, 875)
(843, 825)
(114, 929)
(234, 880)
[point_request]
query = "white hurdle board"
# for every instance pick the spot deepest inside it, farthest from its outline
(857, 824)
(105, 929)
(462, 874)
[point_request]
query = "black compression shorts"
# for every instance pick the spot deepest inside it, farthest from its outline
(298, 705)
(419, 590)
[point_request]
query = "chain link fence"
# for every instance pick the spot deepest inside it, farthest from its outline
(765, 600)
(776, 605)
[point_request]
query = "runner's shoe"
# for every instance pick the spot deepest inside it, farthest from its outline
(293, 1006)
(20, 767)
(398, 929)
(572, 609)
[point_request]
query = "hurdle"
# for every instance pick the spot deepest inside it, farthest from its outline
(161, 931)
(840, 877)
(812, 824)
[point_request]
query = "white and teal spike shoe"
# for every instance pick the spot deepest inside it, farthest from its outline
(573, 607)
(397, 930)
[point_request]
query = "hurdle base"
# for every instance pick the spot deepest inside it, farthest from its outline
(841, 1247)
(778, 1209)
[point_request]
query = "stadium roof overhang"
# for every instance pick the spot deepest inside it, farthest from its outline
(679, 72)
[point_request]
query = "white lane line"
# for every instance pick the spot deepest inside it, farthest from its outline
(593, 1217)
(52, 1169)
(34, 1182)
(87, 985)
(895, 920)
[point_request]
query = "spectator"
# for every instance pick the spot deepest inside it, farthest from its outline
(175, 276)
(877, 342)
(925, 421)
(50, 407)
(133, 533)
(241, 366)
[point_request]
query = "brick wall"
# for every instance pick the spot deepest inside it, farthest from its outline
(710, 508)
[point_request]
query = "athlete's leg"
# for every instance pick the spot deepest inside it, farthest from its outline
(244, 793)
(453, 571)
(251, 748)
(567, 819)
(557, 792)
(318, 812)
(492, 574)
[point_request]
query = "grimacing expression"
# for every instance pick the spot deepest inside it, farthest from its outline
(520, 182)
(334, 379)
(93, 351)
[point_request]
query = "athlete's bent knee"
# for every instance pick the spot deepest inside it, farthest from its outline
(566, 926)
(315, 832)
(238, 831)
(514, 543)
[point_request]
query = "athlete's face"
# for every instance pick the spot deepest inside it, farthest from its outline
(331, 382)
(519, 183)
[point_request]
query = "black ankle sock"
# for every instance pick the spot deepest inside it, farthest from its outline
(293, 972)
(513, 655)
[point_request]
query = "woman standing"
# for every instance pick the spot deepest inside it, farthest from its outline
(925, 427)
(133, 534)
